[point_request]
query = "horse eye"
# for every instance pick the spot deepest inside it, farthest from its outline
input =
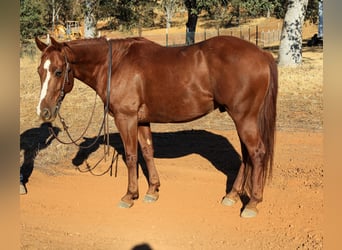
(58, 73)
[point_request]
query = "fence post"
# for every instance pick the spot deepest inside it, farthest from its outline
(273, 36)
(249, 33)
(256, 34)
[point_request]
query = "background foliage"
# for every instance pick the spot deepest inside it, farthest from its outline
(36, 15)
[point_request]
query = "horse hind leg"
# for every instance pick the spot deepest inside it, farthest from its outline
(250, 179)
(254, 173)
(146, 145)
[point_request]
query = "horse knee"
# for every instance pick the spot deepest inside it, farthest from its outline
(259, 155)
(147, 151)
(131, 160)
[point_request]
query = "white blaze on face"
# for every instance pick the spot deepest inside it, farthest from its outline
(45, 84)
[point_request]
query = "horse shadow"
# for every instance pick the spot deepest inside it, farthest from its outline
(169, 145)
(31, 142)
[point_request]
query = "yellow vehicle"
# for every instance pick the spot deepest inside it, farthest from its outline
(70, 31)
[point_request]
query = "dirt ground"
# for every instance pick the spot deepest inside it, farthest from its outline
(68, 207)
(74, 210)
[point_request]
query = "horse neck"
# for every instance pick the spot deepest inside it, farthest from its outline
(90, 62)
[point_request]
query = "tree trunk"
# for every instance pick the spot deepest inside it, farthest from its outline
(193, 11)
(89, 21)
(290, 50)
(320, 19)
(168, 11)
(191, 28)
(53, 15)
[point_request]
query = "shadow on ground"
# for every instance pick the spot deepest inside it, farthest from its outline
(169, 145)
(31, 142)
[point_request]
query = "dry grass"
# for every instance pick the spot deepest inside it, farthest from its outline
(300, 105)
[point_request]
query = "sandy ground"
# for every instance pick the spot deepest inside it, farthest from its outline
(73, 210)
(68, 207)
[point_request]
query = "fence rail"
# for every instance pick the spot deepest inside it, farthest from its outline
(262, 36)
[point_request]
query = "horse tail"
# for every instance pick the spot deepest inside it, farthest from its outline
(267, 124)
(267, 117)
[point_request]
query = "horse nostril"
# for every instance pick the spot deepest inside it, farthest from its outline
(46, 114)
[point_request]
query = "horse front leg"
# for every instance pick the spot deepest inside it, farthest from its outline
(128, 130)
(146, 144)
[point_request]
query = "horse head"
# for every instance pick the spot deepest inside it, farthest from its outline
(56, 77)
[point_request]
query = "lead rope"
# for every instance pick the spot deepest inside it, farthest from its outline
(104, 126)
(66, 127)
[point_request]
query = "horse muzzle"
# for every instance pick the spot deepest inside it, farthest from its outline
(47, 115)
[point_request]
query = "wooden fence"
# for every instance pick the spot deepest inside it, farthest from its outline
(262, 36)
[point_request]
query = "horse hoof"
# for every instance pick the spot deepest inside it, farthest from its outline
(249, 213)
(123, 204)
(149, 198)
(23, 189)
(228, 201)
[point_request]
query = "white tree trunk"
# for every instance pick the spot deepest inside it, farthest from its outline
(169, 7)
(89, 21)
(290, 50)
(320, 19)
(53, 15)
(168, 17)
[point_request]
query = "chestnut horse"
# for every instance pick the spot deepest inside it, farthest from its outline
(142, 82)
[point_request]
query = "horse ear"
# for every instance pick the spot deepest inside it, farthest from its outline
(56, 44)
(61, 46)
(41, 46)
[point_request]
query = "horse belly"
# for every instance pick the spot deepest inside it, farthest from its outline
(176, 109)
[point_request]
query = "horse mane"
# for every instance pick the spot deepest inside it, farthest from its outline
(88, 40)
(125, 42)
(134, 40)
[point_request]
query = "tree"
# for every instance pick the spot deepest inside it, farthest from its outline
(312, 11)
(58, 11)
(55, 10)
(320, 19)
(169, 7)
(143, 11)
(32, 21)
(290, 50)
(194, 8)
(221, 14)
(107, 9)
(89, 18)
(279, 8)
(257, 8)
(127, 14)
